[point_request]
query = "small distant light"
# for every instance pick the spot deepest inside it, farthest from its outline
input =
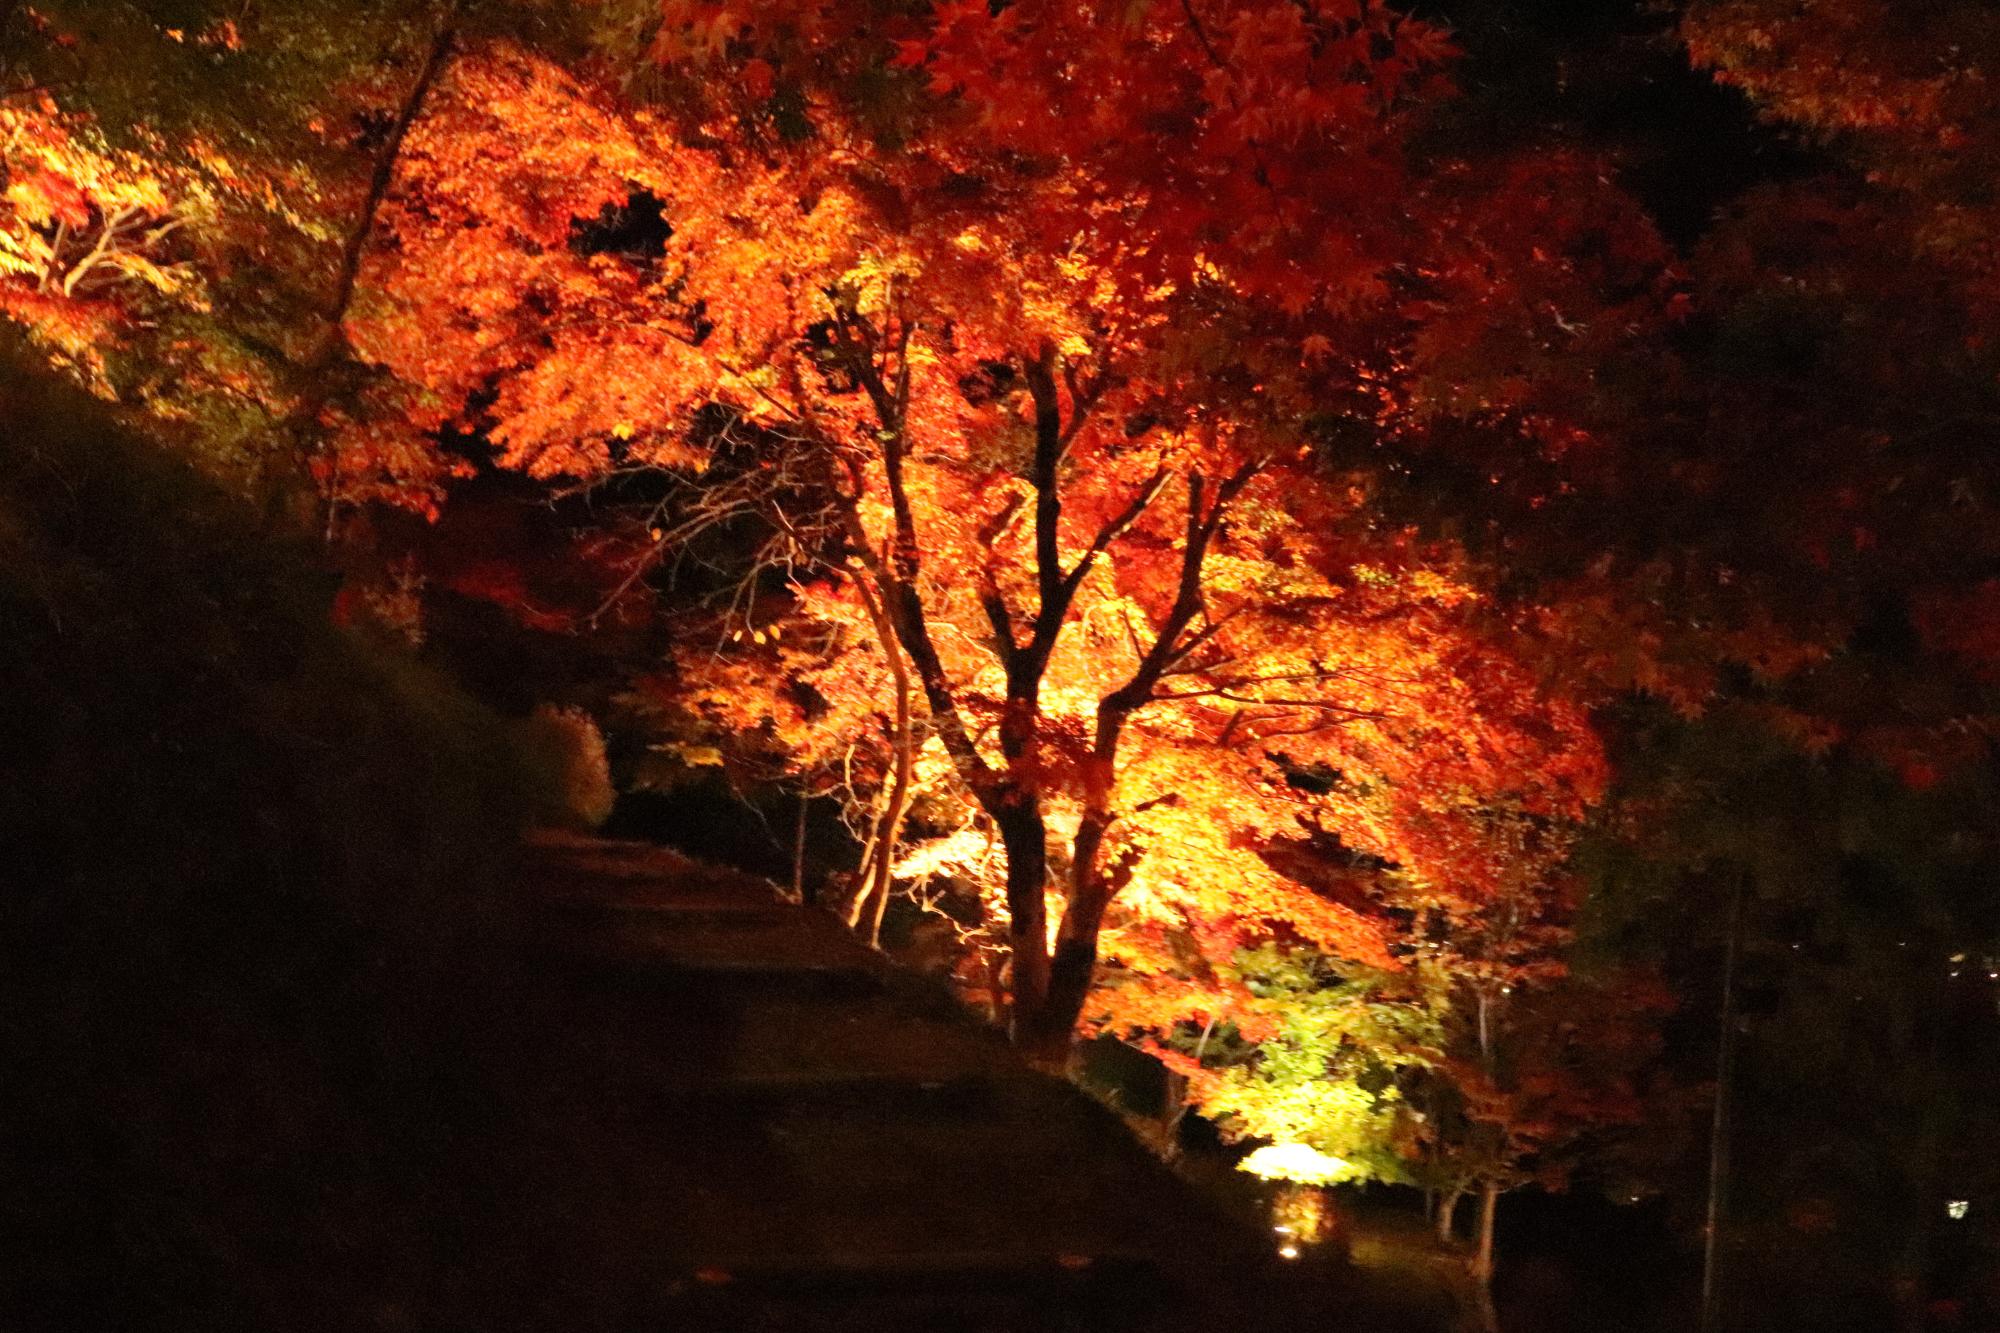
(1957, 1209)
(1288, 1251)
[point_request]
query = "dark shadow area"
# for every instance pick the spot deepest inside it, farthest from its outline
(244, 908)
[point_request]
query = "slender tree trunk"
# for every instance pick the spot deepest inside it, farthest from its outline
(1048, 994)
(890, 833)
(888, 830)
(1008, 795)
(1100, 780)
(996, 989)
(799, 855)
(864, 873)
(1718, 1125)
(1175, 1108)
(1482, 1260)
(303, 419)
(1447, 1215)
(884, 880)
(1093, 885)
(1173, 1101)
(1091, 889)
(384, 174)
(864, 867)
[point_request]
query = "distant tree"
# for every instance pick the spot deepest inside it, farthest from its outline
(1477, 1063)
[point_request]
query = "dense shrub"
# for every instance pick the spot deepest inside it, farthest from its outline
(565, 751)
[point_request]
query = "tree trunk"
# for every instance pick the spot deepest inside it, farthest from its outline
(1447, 1215)
(1718, 1128)
(301, 422)
(890, 831)
(864, 876)
(1173, 1102)
(799, 893)
(877, 870)
(1482, 1260)
(996, 989)
(1024, 835)
(1174, 1108)
(1047, 1036)
(1092, 886)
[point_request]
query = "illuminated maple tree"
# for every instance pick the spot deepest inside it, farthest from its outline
(1040, 458)
(1150, 467)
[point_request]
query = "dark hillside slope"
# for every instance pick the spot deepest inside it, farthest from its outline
(237, 848)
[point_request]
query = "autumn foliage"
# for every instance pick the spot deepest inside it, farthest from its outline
(1021, 450)
(1188, 501)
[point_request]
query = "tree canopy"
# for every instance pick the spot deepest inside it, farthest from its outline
(1266, 523)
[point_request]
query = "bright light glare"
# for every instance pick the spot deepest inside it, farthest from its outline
(1297, 1161)
(1288, 1250)
(1957, 1209)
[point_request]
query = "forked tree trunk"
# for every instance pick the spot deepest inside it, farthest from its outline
(1048, 994)
(879, 864)
(1447, 1215)
(1047, 1036)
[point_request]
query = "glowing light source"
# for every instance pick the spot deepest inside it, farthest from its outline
(1957, 1209)
(1288, 1250)
(1297, 1161)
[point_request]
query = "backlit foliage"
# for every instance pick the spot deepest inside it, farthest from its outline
(1185, 494)
(985, 392)
(85, 232)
